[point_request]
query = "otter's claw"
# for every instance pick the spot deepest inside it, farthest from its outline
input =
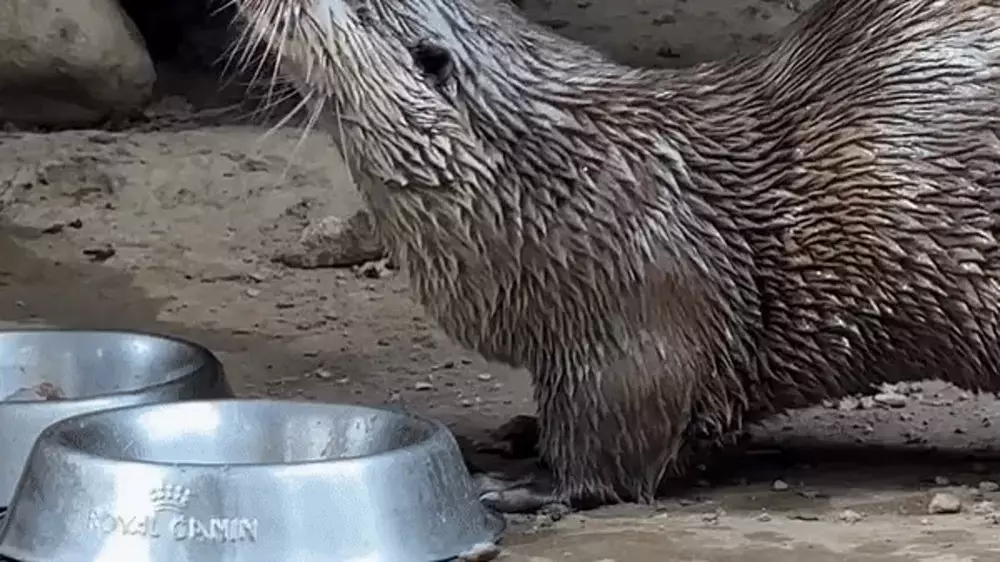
(520, 496)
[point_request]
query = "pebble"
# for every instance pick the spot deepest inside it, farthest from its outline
(779, 486)
(943, 504)
(482, 552)
(984, 508)
(891, 399)
(764, 517)
(485, 377)
(423, 385)
(941, 481)
(850, 516)
(988, 486)
(849, 404)
(321, 374)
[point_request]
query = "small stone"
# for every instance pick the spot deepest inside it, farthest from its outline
(485, 377)
(988, 486)
(764, 517)
(983, 508)
(867, 402)
(941, 481)
(251, 292)
(779, 486)
(100, 253)
(850, 516)
(482, 552)
(373, 269)
(944, 504)
(891, 399)
(423, 385)
(711, 518)
(321, 374)
(848, 404)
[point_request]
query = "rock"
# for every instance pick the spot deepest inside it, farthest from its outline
(891, 399)
(849, 404)
(482, 552)
(984, 508)
(374, 269)
(66, 63)
(779, 485)
(944, 503)
(334, 242)
(988, 486)
(850, 516)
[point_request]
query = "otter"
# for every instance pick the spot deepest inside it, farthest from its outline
(673, 253)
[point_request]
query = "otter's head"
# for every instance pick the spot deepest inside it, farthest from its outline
(418, 92)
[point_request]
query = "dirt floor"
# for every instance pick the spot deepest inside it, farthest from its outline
(171, 226)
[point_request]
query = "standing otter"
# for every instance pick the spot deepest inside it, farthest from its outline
(674, 254)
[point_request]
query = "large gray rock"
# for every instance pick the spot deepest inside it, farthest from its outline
(67, 63)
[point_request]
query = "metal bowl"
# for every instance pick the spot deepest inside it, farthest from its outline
(47, 375)
(246, 481)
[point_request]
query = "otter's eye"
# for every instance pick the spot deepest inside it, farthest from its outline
(434, 60)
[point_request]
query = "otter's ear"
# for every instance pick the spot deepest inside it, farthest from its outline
(434, 61)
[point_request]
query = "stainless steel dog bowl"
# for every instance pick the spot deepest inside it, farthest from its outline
(85, 371)
(246, 481)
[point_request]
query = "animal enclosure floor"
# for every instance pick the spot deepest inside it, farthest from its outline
(171, 226)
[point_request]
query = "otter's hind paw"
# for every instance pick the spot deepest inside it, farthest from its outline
(521, 496)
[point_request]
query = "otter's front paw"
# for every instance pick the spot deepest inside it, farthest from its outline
(517, 438)
(528, 495)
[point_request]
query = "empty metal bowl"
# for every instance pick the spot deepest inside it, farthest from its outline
(246, 481)
(47, 375)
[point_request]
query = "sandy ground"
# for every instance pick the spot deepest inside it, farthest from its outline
(171, 226)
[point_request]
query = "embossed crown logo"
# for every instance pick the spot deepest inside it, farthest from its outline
(170, 498)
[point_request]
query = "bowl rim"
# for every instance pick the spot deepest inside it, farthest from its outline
(209, 361)
(46, 437)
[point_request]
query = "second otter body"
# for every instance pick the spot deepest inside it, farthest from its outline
(676, 253)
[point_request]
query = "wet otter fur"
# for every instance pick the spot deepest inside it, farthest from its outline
(674, 254)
